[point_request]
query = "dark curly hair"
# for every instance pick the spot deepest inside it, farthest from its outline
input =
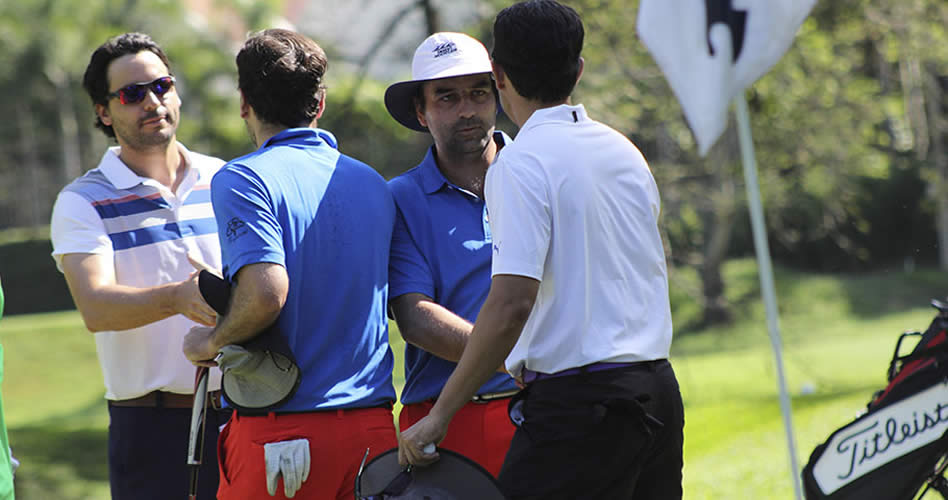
(280, 74)
(96, 78)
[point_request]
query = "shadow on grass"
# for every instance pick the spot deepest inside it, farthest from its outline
(84, 450)
(823, 397)
(64, 456)
(66, 464)
(885, 292)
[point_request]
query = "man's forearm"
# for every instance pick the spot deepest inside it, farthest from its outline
(256, 301)
(107, 305)
(119, 307)
(431, 326)
(244, 320)
(496, 331)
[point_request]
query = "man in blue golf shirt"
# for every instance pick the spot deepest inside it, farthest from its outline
(305, 235)
(440, 266)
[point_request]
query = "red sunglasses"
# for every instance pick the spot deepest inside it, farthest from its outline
(136, 92)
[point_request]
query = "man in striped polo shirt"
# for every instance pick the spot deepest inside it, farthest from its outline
(121, 234)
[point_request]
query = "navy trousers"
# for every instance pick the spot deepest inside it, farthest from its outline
(148, 450)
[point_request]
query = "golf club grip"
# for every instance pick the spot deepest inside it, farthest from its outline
(195, 438)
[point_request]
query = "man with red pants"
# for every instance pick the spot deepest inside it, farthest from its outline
(305, 236)
(439, 272)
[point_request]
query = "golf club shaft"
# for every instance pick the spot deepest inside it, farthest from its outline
(196, 435)
(195, 438)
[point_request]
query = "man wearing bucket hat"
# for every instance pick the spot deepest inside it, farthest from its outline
(439, 272)
(305, 237)
(578, 303)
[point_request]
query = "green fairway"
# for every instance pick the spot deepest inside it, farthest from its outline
(838, 334)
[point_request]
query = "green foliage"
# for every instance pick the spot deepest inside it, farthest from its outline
(366, 131)
(50, 138)
(30, 278)
(847, 172)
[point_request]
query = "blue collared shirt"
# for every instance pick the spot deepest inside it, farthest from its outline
(441, 247)
(327, 218)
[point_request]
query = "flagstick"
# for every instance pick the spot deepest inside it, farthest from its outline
(766, 274)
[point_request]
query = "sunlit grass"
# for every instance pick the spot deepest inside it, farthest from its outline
(837, 333)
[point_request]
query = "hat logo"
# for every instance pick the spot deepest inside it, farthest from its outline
(443, 49)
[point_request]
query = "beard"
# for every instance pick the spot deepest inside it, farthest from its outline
(472, 142)
(137, 138)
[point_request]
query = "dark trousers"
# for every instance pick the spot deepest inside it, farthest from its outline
(614, 434)
(148, 450)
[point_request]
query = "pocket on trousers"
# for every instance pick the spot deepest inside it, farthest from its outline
(221, 455)
(550, 424)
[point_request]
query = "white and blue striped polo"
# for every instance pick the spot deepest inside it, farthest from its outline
(147, 230)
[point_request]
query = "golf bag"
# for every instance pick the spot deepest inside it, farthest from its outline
(899, 445)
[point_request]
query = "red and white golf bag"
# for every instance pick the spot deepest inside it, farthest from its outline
(900, 444)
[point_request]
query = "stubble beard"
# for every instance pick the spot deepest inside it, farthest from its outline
(459, 147)
(142, 141)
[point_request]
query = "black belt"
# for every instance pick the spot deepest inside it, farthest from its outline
(249, 412)
(530, 376)
(162, 399)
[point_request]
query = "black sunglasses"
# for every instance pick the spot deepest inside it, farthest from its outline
(136, 92)
(395, 487)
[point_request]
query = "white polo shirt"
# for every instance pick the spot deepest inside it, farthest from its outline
(147, 230)
(573, 204)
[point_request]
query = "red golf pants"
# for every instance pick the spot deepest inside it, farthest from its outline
(337, 442)
(479, 431)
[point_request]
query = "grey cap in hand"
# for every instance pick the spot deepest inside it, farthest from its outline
(255, 378)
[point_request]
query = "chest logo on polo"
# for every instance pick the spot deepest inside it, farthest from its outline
(472, 245)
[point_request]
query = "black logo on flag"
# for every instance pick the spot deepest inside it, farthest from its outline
(721, 11)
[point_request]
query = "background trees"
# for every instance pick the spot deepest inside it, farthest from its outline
(851, 127)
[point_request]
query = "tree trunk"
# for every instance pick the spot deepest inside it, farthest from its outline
(71, 161)
(432, 16)
(29, 196)
(719, 221)
(939, 157)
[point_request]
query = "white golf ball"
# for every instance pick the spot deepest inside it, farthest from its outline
(429, 449)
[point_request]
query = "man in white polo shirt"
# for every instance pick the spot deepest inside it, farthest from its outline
(578, 302)
(121, 234)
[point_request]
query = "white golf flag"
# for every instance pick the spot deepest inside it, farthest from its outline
(711, 50)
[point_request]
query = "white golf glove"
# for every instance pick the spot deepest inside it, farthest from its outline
(289, 459)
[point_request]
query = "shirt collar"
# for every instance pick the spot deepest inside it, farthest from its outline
(304, 135)
(560, 113)
(122, 177)
(431, 177)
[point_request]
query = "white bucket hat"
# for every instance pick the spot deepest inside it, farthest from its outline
(441, 55)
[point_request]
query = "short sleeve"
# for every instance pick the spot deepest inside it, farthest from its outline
(408, 269)
(76, 227)
(518, 206)
(248, 228)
